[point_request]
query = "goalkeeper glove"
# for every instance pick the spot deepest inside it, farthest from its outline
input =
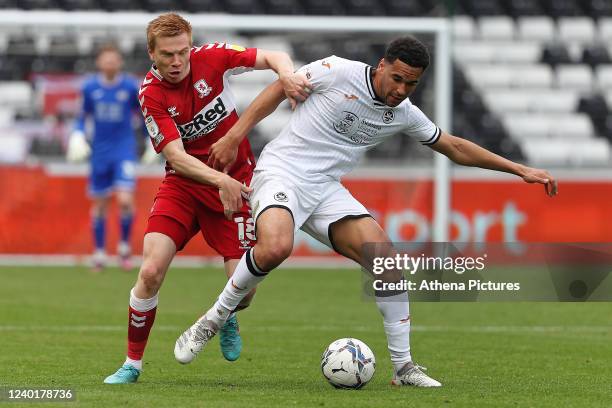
(78, 148)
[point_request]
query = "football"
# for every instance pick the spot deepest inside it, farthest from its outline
(348, 363)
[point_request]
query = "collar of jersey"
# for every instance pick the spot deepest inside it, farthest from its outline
(369, 71)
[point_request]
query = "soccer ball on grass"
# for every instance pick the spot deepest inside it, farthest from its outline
(348, 363)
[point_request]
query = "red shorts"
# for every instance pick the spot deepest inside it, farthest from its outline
(183, 207)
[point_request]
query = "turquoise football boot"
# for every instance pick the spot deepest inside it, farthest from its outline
(125, 375)
(230, 340)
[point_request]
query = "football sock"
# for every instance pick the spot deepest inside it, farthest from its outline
(246, 276)
(99, 231)
(126, 220)
(141, 317)
(134, 363)
(396, 318)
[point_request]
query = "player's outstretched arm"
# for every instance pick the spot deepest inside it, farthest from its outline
(222, 153)
(230, 190)
(296, 86)
(466, 153)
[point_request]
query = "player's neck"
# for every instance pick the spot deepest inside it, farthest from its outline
(109, 80)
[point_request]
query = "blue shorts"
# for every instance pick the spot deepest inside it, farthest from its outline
(110, 175)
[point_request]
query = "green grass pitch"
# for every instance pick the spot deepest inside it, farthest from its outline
(64, 327)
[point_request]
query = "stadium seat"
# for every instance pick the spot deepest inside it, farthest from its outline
(553, 101)
(243, 7)
(16, 94)
(519, 8)
(562, 8)
(576, 30)
(37, 4)
(496, 28)
(539, 29)
(8, 4)
(578, 77)
(158, 5)
(545, 152)
(577, 126)
(513, 52)
(479, 8)
(595, 54)
(595, 106)
(526, 125)
(506, 101)
(115, 5)
(468, 52)
(603, 73)
(312, 50)
(203, 6)
(597, 8)
(282, 7)
(405, 8)
(537, 76)
(464, 28)
(605, 30)
(487, 76)
(80, 5)
(364, 7)
(275, 43)
(556, 53)
(324, 7)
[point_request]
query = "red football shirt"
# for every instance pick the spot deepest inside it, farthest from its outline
(200, 109)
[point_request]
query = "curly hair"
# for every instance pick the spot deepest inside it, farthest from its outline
(409, 50)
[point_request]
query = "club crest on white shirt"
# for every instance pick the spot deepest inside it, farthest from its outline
(388, 116)
(202, 87)
(346, 123)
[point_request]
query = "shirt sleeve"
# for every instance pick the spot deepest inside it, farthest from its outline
(228, 58)
(420, 127)
(160, 126)
(321, 73)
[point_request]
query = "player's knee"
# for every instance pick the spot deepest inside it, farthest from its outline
(272, 253)
(151, 276)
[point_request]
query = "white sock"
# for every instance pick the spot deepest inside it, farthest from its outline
(135, 363)
(246, 276)
(396, 316)
(142, 305)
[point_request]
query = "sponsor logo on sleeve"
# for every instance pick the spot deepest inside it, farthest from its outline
(151, 125)
(235, 47)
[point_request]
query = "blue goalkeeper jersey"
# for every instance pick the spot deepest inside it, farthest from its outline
(111, 107)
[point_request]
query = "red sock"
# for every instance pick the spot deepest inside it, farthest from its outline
(139, 326)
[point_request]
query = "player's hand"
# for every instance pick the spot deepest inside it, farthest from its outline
(532, 175)
(149, 156)
(222, 154)
(297, 88)
(78, 148)
(230, 192)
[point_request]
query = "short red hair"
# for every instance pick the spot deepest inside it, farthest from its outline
(167, 25)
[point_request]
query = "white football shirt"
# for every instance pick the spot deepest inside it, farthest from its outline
(329, 134)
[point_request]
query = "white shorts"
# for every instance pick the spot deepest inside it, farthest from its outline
(314, 207)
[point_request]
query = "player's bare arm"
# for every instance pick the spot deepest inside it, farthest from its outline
(466, 153)
(222, 154)
(295, 86)
(230, 190)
